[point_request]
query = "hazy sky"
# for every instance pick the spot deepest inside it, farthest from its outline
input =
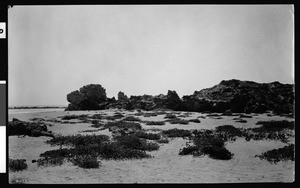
(54, 50)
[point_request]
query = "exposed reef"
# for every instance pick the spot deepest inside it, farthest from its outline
(34, 129)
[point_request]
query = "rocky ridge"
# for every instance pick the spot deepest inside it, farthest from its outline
(227, 96)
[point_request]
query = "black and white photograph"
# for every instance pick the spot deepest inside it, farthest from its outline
(147, 94)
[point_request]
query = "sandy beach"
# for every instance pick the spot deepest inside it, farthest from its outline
(101, 94)
(166, 166)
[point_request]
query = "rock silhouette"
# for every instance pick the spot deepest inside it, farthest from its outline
(89, 97)
(122, 97)
(248, 96)
(228, 96)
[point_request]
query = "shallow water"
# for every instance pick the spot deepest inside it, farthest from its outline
(34, 110)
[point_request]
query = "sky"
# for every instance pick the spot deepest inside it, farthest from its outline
(144, 49)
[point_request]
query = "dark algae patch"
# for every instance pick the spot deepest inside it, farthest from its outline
(177, 133)
(207, 143)
(281, 154)
(17, 165)
(84, 151)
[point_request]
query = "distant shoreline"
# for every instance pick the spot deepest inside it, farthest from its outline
(34, 107)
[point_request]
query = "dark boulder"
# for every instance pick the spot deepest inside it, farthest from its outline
(160, 101)
(111, 100)
(89, 97)
(173, 101)
(122, 97)
(193, 104)
(34, 129)
(72, 107)
(94, 92)
(144, 102)
(129, 106)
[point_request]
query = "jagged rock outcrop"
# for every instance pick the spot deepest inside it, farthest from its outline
(227, 96)
(248, 96)
(145, 102)
(111, 100)
(34, 129)
(160, 101)
(192, 104)
(122, 97)
(173, 101)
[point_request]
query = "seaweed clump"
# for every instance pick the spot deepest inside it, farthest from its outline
(228, 132)
(84, 150)
(178, 121)
(207, 143)
(17, 165)
(155, 123)
(274, 130)
(281, 154)
(177, 133)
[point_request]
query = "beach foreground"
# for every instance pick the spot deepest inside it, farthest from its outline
(166, 165)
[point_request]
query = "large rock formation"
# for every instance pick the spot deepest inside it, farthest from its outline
(247, 96)
(145, 102)
(89, 97)
(231, 96)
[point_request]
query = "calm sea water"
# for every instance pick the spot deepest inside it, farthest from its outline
(25, 111)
